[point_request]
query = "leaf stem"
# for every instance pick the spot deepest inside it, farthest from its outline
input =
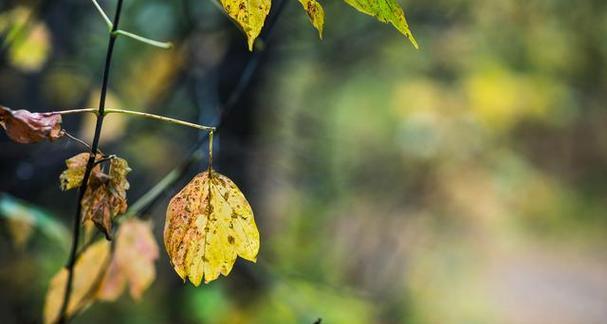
(135, 113)
(63, 316)
(107, 20)
(165, 45)
(158, 117)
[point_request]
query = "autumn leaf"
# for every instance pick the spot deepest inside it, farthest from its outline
(250, 15)
(105, 196)
(386, 11)
(208, 223)
(315, 13)
(72, 176)
(133, 261)
(26, 127)
(88, 272)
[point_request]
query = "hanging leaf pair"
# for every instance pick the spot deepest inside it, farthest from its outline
(208, 224)
(105, 195)
(250, 15)
(100, 274)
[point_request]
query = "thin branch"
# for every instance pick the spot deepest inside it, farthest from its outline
(107, 20)
(73, 111)
(158, 117)
(165, 45)
(63, 315)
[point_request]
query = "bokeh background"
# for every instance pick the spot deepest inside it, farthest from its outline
(462, 183)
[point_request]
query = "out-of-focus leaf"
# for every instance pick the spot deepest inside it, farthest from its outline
(250, 15)
(29, 39)
(18, 211)
(88, 273)
(26, 127)
(315, 13)
(386, 11)
(209, 223)
(133, 261)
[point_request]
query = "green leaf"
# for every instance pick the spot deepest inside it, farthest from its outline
(386, 11)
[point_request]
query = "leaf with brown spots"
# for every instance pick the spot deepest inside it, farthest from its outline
(133, 261)
(88, 272)
(72, 176)
(315, 13)
(208, 224)
(250, 15)
(26, 127)
(105, 197)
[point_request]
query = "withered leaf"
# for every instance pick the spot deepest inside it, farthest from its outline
(105, 195)
(76, 165)
(88, 272)
(132, 263)
(26, 127)
(208, 224)
(105, 198)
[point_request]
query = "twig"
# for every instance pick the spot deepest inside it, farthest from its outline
(77, 140)
(63, 316)
(135, 113)
(158, 117)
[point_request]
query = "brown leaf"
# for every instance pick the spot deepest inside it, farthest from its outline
(133, 261)
(105, 196)
(88, 272)
(26, 127)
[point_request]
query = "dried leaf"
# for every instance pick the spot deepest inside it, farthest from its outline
(315, 13)
(76, 165)
(133, 261)
(26, 127)
(105, 198)
(208, 223)
(88, 272)
(386, 11)
(250, 15)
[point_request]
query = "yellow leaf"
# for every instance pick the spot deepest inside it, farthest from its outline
(315, 13)
(250, 15)
(29, 39)
(72, 177)
(387, 11)
(133, 261)
(208, 224)
(88, 272)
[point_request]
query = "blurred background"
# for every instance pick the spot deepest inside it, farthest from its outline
(462, 183)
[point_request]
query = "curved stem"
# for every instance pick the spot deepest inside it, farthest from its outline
(135, 113)
(158, 117)
(63, 316)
